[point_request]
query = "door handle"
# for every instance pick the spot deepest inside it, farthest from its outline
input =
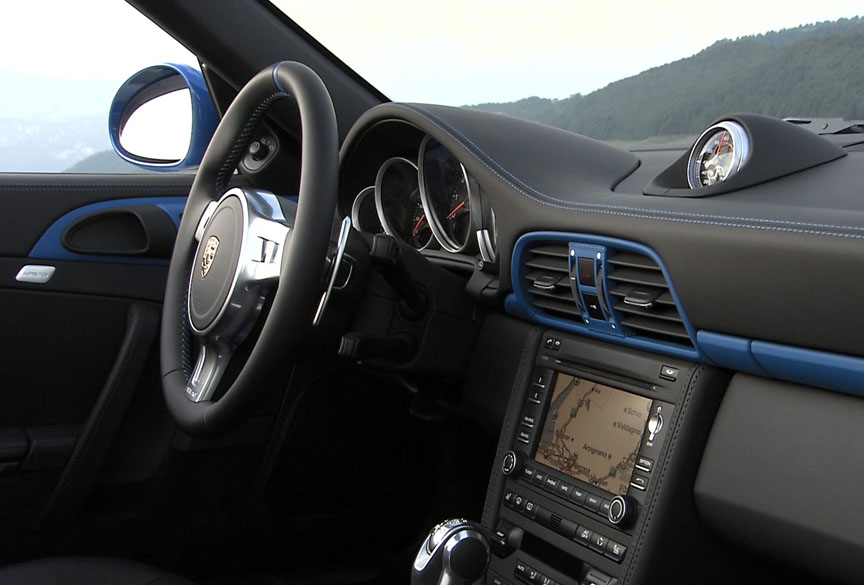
(144, 231)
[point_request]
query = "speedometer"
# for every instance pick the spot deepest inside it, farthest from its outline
(397, 198)
(719, 153)
(446, 193)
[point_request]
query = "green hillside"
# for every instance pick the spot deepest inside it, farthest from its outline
(813, 71)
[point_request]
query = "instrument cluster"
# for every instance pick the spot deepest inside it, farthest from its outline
(430, 202)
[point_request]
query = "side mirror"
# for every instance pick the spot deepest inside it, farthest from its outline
(162, 118)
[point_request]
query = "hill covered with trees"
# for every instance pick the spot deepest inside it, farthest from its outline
(809, 71)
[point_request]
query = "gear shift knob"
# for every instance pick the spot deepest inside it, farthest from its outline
(456, 552)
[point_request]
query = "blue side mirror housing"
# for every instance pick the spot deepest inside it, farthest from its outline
(150, 103)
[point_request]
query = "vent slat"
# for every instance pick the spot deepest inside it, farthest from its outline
(622, 291)
(560, 294)
(563, 281)
(655, 312)
(565, 308)
(633, 261)
(638, 276)
(560, 250)
(656, 326)
(549, 263)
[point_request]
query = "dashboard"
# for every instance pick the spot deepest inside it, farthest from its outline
(699, 288)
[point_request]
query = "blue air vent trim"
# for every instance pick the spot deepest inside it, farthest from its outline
(519, 303)
(49, 246)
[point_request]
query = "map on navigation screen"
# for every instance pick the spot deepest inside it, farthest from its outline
(592, 432)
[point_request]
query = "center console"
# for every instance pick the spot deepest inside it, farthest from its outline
(581, 458)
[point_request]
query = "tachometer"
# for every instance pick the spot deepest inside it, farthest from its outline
(397, 198)
(719, 153)
(446, 193)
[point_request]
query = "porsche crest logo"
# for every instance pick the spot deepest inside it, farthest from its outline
(209, 254)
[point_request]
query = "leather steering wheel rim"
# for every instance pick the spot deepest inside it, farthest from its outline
(303, 252)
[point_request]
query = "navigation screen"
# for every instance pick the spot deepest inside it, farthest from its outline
(592, 432)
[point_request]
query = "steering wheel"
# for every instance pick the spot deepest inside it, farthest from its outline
(234, 246)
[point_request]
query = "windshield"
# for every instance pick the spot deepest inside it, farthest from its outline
(626, 71)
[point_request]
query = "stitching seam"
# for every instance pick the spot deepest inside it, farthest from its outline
(621, 210)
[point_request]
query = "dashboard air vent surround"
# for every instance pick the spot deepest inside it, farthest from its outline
(603, 287)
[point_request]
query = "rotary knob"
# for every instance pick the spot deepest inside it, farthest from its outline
(622, 511)
(512, 463)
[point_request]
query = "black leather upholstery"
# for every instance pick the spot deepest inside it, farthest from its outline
(86, 571)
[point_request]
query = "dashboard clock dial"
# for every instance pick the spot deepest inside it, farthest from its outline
(397, 199)
(718, 154)
(446, 193)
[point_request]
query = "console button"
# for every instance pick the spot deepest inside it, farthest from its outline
(598, 543)
(540, 477)
(528, 421)
(536, 396)
(524, 437)
(615, 551)
(495, 580)
(586, 272)
(564, 490)
(640, 482)
(518, 502)
(530, 508)
(592, 303)
(595, 577)
(645, 464)
(583, 536)
(521, 569)
(669, 373)
(604, 507)
(544, 580)
(593, 502)
(577, 495)
(508, 498)
(551, 483)
(533, 575)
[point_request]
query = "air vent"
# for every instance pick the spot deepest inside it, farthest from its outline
(547, 278)
(618, 291)
(640, 296)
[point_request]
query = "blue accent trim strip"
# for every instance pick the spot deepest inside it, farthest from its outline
(49, 246)
(729, 352)
(520, 305)
(808, 366)
(204, 116)
(276, 77)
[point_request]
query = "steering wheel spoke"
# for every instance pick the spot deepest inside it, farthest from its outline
(211, 364)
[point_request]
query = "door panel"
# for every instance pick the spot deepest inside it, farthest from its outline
(73, 350)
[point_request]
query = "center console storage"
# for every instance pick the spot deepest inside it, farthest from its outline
(587, 448)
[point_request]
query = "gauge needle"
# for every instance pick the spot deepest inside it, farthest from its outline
(418, 225)
(720, 144)
(455, 210)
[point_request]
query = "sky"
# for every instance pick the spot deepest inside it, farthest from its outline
(453, 52)
(460, 52)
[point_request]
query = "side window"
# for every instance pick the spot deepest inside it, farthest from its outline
(60, 65)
